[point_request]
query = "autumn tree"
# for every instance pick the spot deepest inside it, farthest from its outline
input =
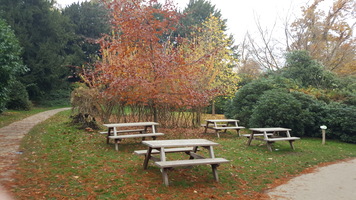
(328, 36)
(143, 66)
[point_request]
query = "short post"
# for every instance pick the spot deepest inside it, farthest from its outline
(323, 128)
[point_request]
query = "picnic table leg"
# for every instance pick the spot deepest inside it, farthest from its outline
(250, 139)
(165, 176)
(107, 137)
(217, 133)
(215, 172)
(206, 127)
(269, 146)
(291, 144)
(117, 141)
(195, 149)
(147, 158)
(238, 132)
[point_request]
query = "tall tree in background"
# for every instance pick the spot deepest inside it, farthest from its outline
(44, 34)
(195, 14)
(90, 20)
(328, 36)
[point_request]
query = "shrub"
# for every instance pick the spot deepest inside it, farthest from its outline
(278, 108)
(18, 97)
(340, 120)
(312, 114)
(241, 107)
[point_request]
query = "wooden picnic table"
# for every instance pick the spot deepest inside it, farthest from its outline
(121, 131)
(271, 135)
(222, 124)
(188, 146)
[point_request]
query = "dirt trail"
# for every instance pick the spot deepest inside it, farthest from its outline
(10, 137)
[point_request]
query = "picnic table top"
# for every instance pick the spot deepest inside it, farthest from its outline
(222, 120)
(179, 143)
(270, 129)
(131, 124)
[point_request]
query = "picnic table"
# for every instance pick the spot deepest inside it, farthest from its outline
(222, 124)
(188, 146)
(271, 135)
(117, 133)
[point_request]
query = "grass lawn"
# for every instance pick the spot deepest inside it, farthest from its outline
(61, 162)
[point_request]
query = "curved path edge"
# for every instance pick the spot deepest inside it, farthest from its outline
(331, 182)
(10, 137)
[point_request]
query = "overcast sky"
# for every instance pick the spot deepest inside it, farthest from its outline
(241, 15)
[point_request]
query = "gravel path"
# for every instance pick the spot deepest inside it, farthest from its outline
(10, 137)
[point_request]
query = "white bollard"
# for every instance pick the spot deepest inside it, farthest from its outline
(323, 128)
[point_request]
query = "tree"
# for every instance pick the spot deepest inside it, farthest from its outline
(195, 14)
(327, 36)
(90, 21)
(10, 62)
(306, 71)
(142, 66)
(44, 35)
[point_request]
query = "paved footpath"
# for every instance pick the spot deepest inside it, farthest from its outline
(332, 182)
(10, 137)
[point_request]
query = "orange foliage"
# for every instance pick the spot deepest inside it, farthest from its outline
(141, 63)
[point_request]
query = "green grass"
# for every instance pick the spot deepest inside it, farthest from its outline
(61, 162)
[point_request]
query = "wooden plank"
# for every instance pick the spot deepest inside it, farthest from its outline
(132, 124)
(196, 156)
(168, 150)
(229, 128)
(182, 163)
(179, 143)
(281, 139)
(136, 135)
(258, 135)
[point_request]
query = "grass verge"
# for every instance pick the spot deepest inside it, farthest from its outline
(61, 162)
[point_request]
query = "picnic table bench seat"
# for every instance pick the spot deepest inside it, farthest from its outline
(272, 140)
(281, 139)
(167, 150)
(136, 135)
(126, 131)
(191, 162)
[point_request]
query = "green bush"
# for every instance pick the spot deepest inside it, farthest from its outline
(18, 97)
(278, 108)
(340, 120)
(245, 100)
(312, 114)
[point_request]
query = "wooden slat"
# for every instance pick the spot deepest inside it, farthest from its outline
(182, 163)
(169, 150)
(136, 135)
(258, 134)
(229, 127)
(196, 156)
(282, 139)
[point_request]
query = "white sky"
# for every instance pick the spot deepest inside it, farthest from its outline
(241, 15)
